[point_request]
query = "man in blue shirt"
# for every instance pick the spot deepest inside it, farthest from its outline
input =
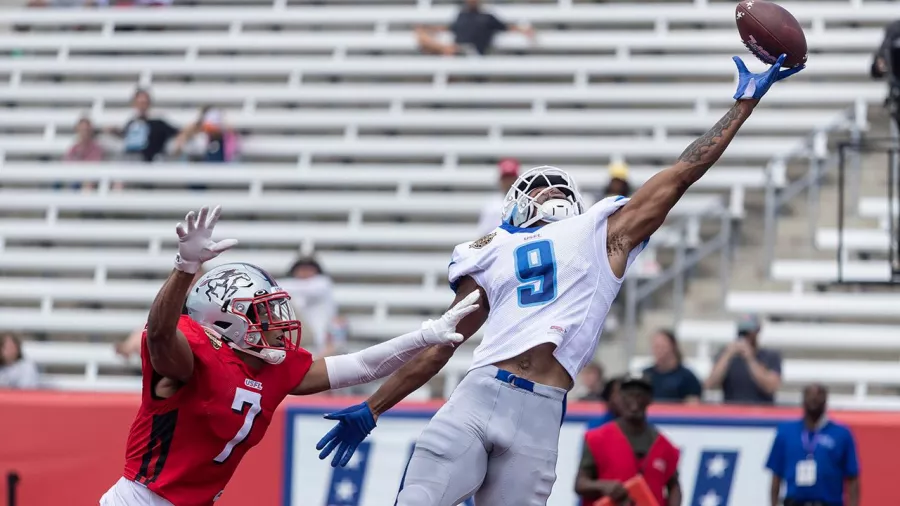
(814, 457)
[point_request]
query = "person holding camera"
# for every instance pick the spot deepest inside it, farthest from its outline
(746, 373)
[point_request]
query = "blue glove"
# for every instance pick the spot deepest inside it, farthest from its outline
(354, 424)
(754, 86)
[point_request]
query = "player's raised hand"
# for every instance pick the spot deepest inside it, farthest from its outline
(443, 331)
(354, 424)
(195, 244)
(754, 86)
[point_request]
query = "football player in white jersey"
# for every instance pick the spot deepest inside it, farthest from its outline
(548, 275)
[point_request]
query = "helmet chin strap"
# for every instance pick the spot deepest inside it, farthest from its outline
(556, 209)
(269, 355)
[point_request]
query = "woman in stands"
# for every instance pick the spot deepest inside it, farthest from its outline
(213, 378)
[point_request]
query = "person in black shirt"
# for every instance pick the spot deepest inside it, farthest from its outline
(671, 380)
(143, 136)
(473, 27)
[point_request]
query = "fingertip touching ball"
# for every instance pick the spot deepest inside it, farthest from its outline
(769, 30)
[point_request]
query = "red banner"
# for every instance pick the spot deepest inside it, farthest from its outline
(68, 448)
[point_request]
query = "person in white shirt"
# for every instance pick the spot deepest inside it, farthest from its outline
(312, 294)
(15, 370)
(490, 213)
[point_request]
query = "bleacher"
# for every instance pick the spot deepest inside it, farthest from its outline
(375, 157)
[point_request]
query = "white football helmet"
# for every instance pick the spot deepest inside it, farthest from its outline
(244, 305)
(522, 210)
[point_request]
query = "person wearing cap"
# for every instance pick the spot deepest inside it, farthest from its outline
(312, 294)
(618, 181)
(746, 373)
(814, 457)
(629, 446)
(490, 214)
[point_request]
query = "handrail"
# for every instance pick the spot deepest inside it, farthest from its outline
(636, 291)
(814, 145)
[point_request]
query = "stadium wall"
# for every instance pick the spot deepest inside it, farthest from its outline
(68, 449)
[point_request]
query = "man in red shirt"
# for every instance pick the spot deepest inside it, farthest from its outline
(626, 447)
(212, 378)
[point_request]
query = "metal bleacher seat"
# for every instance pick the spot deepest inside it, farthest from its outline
(859, 375)
(708, 335)
(496, 121)
(404, 180)
(353, 205)
(623, 42)
(578, 69)
(854, 239)
(826, 305)
(658, 15)
(543, 147)
(399, 96)
(826, 271)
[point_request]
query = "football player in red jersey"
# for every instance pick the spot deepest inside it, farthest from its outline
(213, 378)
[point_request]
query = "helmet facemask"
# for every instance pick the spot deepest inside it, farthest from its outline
(522, 208)
(271, 322)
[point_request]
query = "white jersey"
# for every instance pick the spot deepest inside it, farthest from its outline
(544, 284)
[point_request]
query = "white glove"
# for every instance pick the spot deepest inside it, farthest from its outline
(195, 245)
(443, 331)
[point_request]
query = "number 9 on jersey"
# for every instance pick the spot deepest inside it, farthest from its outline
(536, 270)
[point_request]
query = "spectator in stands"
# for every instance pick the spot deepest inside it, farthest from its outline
(886, 64)
(311, 291)
(618, 180)
(671, 380)
(210, 139)
(745, 372)
(493, 208)
(15, 370)
(145, 137)
(814, 457)
(473, 28)
(86, 148)
(589, 384)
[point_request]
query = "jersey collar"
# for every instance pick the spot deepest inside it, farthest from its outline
(519, 230)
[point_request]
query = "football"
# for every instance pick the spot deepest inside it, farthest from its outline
(769, 30)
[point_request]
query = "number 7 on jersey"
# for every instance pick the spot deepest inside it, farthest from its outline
(536, 270)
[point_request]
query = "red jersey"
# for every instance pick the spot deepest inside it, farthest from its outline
(185, 448)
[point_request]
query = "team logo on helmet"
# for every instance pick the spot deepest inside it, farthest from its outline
(226, 284)
(484, 241)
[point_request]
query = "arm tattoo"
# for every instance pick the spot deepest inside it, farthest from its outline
(708, 148)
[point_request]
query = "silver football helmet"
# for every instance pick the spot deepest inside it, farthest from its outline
(521, 209)
(243, 304)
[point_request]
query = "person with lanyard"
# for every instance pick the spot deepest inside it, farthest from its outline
(814, 457)
(617, 452)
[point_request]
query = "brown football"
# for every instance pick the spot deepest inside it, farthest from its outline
(769, 30)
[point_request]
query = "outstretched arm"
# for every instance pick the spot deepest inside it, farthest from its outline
(427, 364)
(648, 208)
(356, 422)
(376, 362)
(170, 353)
